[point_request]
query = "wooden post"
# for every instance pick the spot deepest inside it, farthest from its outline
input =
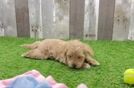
(47, 18)
(22, 18)
(76, 20)
(131, 30)
(7, 18)
(61, 19)
(35, 18)
(122, 19)
(91, 19)
(1, 19)
(106, 19)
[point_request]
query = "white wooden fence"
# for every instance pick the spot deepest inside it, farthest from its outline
(88, 19)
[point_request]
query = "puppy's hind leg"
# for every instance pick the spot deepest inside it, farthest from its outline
(31, 46)
(34, 54)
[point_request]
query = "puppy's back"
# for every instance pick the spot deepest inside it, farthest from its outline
(51, 44)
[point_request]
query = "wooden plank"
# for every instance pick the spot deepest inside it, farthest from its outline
(22, 18)
(1, 19)
(131, 31)
(76, 24)
(121, 19)
(105, 23)
(9, 21)
(47, 18)
(34, 16)
(91, 19)
(61, 19)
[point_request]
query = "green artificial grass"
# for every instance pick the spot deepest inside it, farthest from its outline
(115, 57)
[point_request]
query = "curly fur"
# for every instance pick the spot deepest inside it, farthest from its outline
(73, 53)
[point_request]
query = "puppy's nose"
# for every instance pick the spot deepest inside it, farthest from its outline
(74, 66)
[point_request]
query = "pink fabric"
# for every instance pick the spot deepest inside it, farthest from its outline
(40, 78)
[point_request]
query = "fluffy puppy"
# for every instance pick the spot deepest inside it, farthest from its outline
(73, 53)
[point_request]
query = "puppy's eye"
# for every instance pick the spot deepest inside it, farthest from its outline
(79, 57)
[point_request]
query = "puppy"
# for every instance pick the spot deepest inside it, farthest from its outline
(72, 53)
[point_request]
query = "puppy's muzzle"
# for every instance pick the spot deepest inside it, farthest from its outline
(74, 66)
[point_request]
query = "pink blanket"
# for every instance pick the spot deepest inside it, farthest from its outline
(40, 78)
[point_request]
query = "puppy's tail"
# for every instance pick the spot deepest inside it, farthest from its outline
(31, 46)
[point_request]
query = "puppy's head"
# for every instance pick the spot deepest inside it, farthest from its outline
(75, 58)
(75, 55)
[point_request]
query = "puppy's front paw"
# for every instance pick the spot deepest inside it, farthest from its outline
(23, 55)
(97, 63)
(93, 62)
(86, 65)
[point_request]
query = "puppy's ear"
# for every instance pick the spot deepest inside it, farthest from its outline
(64, 55)
(88, 50)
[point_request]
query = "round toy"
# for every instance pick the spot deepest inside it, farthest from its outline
(129, 76)
(82, 85)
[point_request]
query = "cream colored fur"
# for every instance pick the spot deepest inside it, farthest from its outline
(73, 53)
